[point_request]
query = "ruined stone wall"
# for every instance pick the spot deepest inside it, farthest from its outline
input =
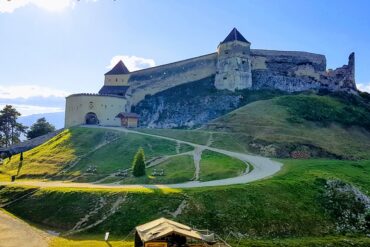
(341, 79)
(287, 70)
(299, 71)
(153, 80)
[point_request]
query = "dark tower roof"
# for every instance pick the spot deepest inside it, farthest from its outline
(235, 35)
(120, 68)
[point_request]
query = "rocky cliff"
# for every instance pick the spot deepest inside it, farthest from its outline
(193, 104)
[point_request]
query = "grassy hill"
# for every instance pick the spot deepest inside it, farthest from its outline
(292, 204)
(310, 202)
(308, 125)
(311, 125)
(97, 155)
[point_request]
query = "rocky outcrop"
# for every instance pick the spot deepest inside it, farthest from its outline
(187, 105)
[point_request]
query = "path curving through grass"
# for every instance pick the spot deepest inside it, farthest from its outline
(262, 168)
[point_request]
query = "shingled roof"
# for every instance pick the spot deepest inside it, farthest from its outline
(235, 35)
(120, 68)
(114, 90)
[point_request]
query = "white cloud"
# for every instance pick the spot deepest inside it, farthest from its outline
(29, 91)
(9, 6)
(364, 87)
(27, 110)
(132, 62)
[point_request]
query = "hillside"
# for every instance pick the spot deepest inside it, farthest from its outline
(291, 204)
(104, 156)
(310, 202)
(300, 125)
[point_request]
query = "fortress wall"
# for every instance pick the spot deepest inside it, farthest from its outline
(287, 70)
(153, 80)
(105, 107)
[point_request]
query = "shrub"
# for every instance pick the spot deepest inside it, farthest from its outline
(347, 205)
(138, 165)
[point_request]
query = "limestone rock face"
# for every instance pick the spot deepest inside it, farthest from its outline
(188, 105)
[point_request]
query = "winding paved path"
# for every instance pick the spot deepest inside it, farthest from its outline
(262, 168)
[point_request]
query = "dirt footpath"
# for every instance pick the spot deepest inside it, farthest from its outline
(15, 233)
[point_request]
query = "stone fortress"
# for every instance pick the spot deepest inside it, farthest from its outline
(235, 66)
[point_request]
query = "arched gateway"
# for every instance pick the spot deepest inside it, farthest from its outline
(91, 118)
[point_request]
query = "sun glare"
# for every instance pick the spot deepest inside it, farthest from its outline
(9, 6)
(54, 5)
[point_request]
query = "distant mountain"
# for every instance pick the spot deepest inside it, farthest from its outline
(56, 119)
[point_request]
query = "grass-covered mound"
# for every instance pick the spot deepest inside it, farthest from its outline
(103, 156)
(84, 154)
(300, 126)
(177, 169)
(218, 166)
(346, 110)
(291, 204)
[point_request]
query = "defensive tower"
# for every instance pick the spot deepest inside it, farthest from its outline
(233, 63)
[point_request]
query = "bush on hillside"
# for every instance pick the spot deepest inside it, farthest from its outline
(347, 205)
(138, 165)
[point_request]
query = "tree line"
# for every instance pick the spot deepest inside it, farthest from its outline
(11, 130)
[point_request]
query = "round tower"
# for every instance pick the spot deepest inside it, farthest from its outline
(234, 63)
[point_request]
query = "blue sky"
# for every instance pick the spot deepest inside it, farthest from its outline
(50, 48)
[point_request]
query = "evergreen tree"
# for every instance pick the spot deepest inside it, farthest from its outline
(138, 165)
(10, 129)
(41, 127)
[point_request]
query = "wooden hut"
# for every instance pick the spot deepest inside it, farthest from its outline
(128, 119)
(167, 233)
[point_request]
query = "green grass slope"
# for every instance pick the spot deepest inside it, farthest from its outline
(71, 155)
(97, 155)
(291, 204)
(218, 166)
(308, 125)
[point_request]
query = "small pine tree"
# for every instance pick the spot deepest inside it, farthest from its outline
(138, 165)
